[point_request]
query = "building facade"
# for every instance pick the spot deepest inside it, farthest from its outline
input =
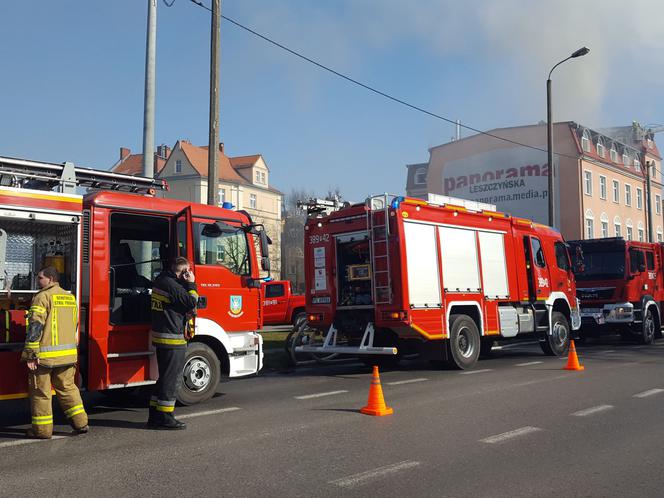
(243, 181)
(601, 183)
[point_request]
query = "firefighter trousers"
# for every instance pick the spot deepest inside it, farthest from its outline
(170, 362)
(60, 379)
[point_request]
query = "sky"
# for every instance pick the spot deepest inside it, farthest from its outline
(72, 78)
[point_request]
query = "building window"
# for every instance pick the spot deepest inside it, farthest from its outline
(641, 232)
(258, 176)
(263, 177)
(637, 165)
(626, 159)
(628, 195)
(613, 153)
(421, 176)
(585, 141)
(602, 187)
(252, 201)
(639, 198)
(588, 182)
(616, 191)
(617, 226)
(604, 225)
(629, 229)
(659, 234)
(178, 166)
(658, 204)
(590, 224)
(222, 195)
(601, 150)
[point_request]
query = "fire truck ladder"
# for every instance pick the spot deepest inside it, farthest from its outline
(379, 233)
(66, 177)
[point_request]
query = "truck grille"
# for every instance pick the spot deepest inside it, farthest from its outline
(595, 294)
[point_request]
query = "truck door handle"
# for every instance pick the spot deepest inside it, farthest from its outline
(202, 302)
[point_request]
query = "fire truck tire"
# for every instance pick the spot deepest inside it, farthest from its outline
(648, 326)
(200, 376)
(557, 343)
(299, 318)
(464, 342)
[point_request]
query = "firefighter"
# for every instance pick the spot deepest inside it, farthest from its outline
(173, 303)
(51, 355)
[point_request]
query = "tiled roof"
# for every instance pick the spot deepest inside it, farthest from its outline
(133, 164)
(240, 162)
(198, 157)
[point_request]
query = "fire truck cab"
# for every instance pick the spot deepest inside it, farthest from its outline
(108, 246)
(398, 274)
(620, 287)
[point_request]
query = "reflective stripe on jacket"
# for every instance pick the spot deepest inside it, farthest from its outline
(172, 302)
(52, 326)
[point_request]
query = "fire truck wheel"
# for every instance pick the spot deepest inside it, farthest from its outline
(557, 343)
(648, 328)
(464, 342)
(299, 319)
(200, 376)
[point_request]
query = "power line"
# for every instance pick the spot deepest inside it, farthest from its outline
(372, 89)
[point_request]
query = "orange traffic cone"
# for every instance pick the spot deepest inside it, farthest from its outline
(376, 403)
(572, 359)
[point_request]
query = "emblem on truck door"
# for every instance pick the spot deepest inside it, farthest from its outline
(236, 307)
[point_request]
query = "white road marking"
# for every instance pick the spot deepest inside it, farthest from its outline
(370, 475)
(529, 363)
(209, 412)
(592, 411)
(608, 351)
(29, 441)
(645, 394)
(409, 381)
(470, 372)
(499, 438)
(320, 395)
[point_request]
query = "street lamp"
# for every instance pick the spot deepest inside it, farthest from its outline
(549, 132)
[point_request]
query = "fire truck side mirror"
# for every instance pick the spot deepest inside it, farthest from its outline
(264, 243)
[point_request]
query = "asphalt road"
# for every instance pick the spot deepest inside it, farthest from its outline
(518, 425)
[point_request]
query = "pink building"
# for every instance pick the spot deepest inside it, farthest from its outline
(601, 184)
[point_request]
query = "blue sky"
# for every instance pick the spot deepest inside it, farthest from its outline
(72, 78)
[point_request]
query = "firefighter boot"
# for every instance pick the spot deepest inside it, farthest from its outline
(153, 417)
(171, 423)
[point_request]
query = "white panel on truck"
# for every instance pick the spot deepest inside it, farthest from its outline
(422, 261)
(494, 267)
(458, 250)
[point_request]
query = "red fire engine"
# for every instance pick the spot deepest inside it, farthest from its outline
(108, 246)
(620, 287)
(395, 274)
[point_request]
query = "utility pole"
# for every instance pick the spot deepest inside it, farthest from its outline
(213, 147)
(148, 107)
(648, 204)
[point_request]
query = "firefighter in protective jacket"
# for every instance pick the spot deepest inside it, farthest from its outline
(51, 355)
(173, 304)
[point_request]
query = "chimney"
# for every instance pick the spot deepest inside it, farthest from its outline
(163, 151)
(124, 152)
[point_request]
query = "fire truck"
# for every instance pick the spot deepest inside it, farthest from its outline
(399, 275)
(620, 287)
(108, 245)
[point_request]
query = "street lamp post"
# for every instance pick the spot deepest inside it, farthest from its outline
(549, 135)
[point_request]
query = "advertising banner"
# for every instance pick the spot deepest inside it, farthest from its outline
(515, 180)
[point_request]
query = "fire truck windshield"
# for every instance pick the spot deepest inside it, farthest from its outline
(598, 263)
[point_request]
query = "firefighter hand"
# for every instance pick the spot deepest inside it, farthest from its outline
(188, 276)
(33, 364)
